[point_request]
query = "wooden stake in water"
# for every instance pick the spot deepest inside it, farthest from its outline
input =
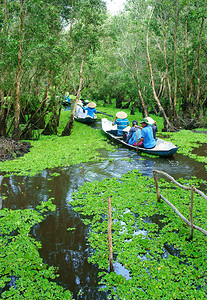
(191, 212)
(110, 236)
(156, 185)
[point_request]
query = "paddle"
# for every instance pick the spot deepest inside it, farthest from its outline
(99, 112)
(136, 139)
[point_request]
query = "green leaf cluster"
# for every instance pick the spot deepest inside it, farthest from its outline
(23, 275)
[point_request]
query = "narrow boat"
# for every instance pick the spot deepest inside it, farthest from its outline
(162, 148)
(86, 119)
(82, 116)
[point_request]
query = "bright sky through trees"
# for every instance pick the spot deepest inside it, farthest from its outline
(115, 5)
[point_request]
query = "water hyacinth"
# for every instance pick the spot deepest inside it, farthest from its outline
(149, 240)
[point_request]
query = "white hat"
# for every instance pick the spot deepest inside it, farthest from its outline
(150, 120)
(121, 115)
(92, 105)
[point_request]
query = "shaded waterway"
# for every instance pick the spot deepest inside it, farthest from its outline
(69, 250)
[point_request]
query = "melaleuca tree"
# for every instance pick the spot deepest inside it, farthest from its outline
(87, 30)
(31, 57)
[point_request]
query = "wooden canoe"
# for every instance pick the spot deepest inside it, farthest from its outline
(162, 148)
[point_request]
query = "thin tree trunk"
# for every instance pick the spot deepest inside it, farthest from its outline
(69, 125)
(70, 42)
(16, 131)
(161, 109)
(185, 56)
(138, 84)
(175, 58)
(166, 64)
(198, 63)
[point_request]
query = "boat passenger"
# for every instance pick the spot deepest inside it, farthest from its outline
(84, 103)
(146, 135)
(153, 123)
(121, 121)
(134, 134)
(154, 129)
(67, 101)
(90, 109)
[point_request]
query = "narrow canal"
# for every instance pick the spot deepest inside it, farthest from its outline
(69, 250)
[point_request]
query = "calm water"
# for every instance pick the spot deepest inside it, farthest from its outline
(69, 250)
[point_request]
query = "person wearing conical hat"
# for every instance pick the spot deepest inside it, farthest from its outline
(121, 121)
(146, 135)
(153, 124)
(90, 109)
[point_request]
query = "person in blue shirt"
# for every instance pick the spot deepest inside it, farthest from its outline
(90, 109)
(146, 135)
(67, 101)
(121, 121)
(134, 134)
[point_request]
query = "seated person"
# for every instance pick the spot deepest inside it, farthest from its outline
(154, 126)
(146, 135)
(121, 121)
(134, 134)
(154, 129)
(90, 108)
(84, 103)
(66, 102)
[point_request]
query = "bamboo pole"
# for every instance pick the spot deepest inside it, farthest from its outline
(191, 213)
(110, 236)
(156, 184)
(193, 189)
(180, 185)
(181, 216)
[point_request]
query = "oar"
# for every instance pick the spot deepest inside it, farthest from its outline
(136, 138)
(99, 112)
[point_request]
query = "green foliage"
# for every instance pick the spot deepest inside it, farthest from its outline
(55, 151)
(148, 238)
(23, 275)
(187, 141)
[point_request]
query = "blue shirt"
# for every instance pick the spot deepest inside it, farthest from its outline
(147, 134)
(134, 136)
(121, 124)
(90, 111)
(67, 99)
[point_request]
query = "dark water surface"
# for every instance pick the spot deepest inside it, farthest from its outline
(69, 250)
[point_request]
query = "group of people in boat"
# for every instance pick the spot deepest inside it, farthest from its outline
(85, 109)
(142, 136)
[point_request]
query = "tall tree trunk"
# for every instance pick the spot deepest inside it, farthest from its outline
(70, 43)
(175, 59)
(166, 64)
(16, 131)
(185, 56)
(198, 62)
(161, 109)
(138, 84)
(69, 125)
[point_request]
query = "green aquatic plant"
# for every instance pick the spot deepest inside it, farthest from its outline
(149, 239)
(187, 141)
(23, 275)
(57, 151)
(55, 174)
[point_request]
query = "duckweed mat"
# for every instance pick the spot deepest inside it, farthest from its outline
(149, 239)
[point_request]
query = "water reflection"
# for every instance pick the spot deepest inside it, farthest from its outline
(69, 250)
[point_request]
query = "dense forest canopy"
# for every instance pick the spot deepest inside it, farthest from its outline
(150, 57)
